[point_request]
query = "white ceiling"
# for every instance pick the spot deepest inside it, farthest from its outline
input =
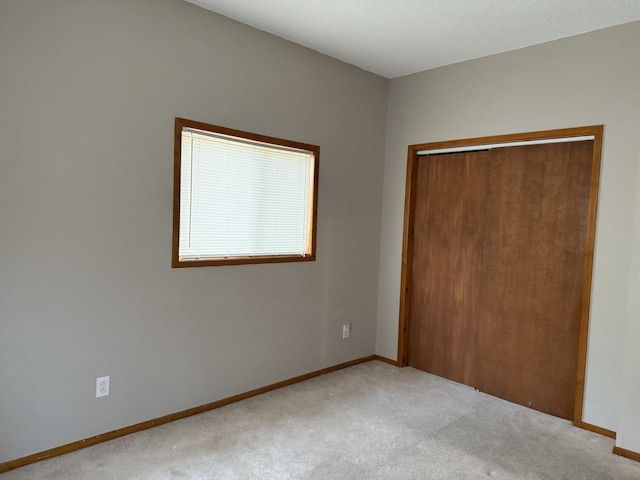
(398, 37)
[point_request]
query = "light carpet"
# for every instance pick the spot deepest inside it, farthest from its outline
(370, 421)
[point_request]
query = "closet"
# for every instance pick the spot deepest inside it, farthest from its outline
(497, 281)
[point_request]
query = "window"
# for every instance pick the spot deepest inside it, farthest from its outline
(241, 197)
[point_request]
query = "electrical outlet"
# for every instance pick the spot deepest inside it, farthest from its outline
(102, 386)
(346, 330)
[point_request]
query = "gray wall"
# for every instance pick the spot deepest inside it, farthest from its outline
(89, 92)
(584, 80)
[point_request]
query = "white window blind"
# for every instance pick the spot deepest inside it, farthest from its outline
(240, 198)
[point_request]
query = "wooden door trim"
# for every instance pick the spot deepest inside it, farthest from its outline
(588, 270)
(408, 238)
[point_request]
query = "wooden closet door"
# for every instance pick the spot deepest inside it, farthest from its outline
(449, 230)
(528, 318)
(497, 270)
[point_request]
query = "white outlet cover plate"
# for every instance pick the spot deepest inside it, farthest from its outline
(102, 386)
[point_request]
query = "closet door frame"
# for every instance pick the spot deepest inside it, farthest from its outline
(413, 157)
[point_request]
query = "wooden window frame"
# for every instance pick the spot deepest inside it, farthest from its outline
(176, 261)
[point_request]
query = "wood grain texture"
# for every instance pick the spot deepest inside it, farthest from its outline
(449, 223)
(532, 273)
(407, 256)
(547, 179)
